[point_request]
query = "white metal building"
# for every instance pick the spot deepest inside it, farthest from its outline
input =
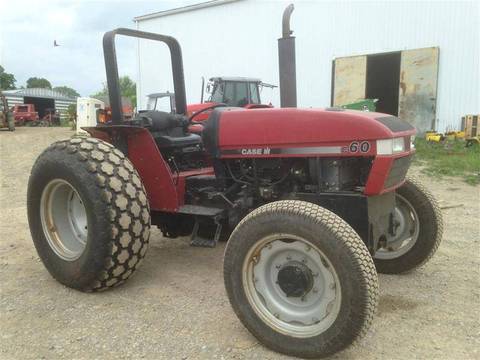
(429, 51)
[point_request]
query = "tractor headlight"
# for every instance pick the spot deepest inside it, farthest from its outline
(398, 145)
(390, 146)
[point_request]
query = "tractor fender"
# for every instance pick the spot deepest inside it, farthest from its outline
(147, 160)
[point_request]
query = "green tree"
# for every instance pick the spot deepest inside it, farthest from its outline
(7, 81)
(103, 92)
(128, 89)
(35, 82)
(67, 91)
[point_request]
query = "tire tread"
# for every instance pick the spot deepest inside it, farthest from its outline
(349, 240)
(127, 207)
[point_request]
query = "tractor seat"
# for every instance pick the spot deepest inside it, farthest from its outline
(161, 121)
(176, 141)
(169, 130)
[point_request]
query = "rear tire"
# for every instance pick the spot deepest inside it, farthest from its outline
(425, 234)
(338, 298)
(88, 214)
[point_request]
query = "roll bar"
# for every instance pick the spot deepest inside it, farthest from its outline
(111, 67)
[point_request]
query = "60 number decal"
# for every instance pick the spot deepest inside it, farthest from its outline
(357, 146)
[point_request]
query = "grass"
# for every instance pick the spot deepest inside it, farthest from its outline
(65, 122)
(449, 158)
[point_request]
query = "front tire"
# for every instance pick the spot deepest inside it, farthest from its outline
(300, 279)
(88, 214)
(419, 230)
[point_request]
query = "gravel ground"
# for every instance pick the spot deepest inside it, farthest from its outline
(176, 307)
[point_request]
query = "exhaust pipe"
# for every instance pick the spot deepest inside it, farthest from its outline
(286, 62)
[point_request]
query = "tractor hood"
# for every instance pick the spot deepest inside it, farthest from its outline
(194, 108)
(231, 132)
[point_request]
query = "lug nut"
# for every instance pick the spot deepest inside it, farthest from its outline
(315, 290)
(289, 258)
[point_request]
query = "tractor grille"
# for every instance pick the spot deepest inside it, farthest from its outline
(398, 171)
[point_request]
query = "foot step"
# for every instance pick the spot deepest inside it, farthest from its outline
(206, 232)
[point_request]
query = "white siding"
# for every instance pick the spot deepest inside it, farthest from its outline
(240, 39)
(13, 100)
(62, 107)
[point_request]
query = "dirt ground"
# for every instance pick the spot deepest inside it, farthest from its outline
(175, 307)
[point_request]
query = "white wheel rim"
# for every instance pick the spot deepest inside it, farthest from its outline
(305, 315)
(64, 219)
(408, 228)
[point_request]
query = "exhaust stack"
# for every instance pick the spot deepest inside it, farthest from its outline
(286, 62)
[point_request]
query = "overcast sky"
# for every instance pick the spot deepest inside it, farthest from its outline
(28, 29)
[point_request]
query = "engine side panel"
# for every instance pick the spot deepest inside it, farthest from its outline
(233, 133)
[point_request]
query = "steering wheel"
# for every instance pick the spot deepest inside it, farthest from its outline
(190, 119)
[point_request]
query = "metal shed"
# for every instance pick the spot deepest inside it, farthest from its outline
(429, 49)
(42, 99)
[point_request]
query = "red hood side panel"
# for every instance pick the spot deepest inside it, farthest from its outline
(299, 127)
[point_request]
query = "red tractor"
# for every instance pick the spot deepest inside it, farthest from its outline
(313, 203)
(25, 113)
(231, 91)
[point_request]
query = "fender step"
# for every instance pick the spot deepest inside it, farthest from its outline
(206, 232)
(200, 210)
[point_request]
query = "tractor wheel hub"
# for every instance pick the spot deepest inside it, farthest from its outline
(295, 279)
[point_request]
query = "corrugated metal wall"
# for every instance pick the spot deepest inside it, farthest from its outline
(60, 105)
(239, 39)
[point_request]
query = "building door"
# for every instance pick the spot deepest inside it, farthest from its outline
(418, 87)
(41, 104)
(404, 82)
(383, 79)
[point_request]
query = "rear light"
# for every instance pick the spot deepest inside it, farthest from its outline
(390, 146)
